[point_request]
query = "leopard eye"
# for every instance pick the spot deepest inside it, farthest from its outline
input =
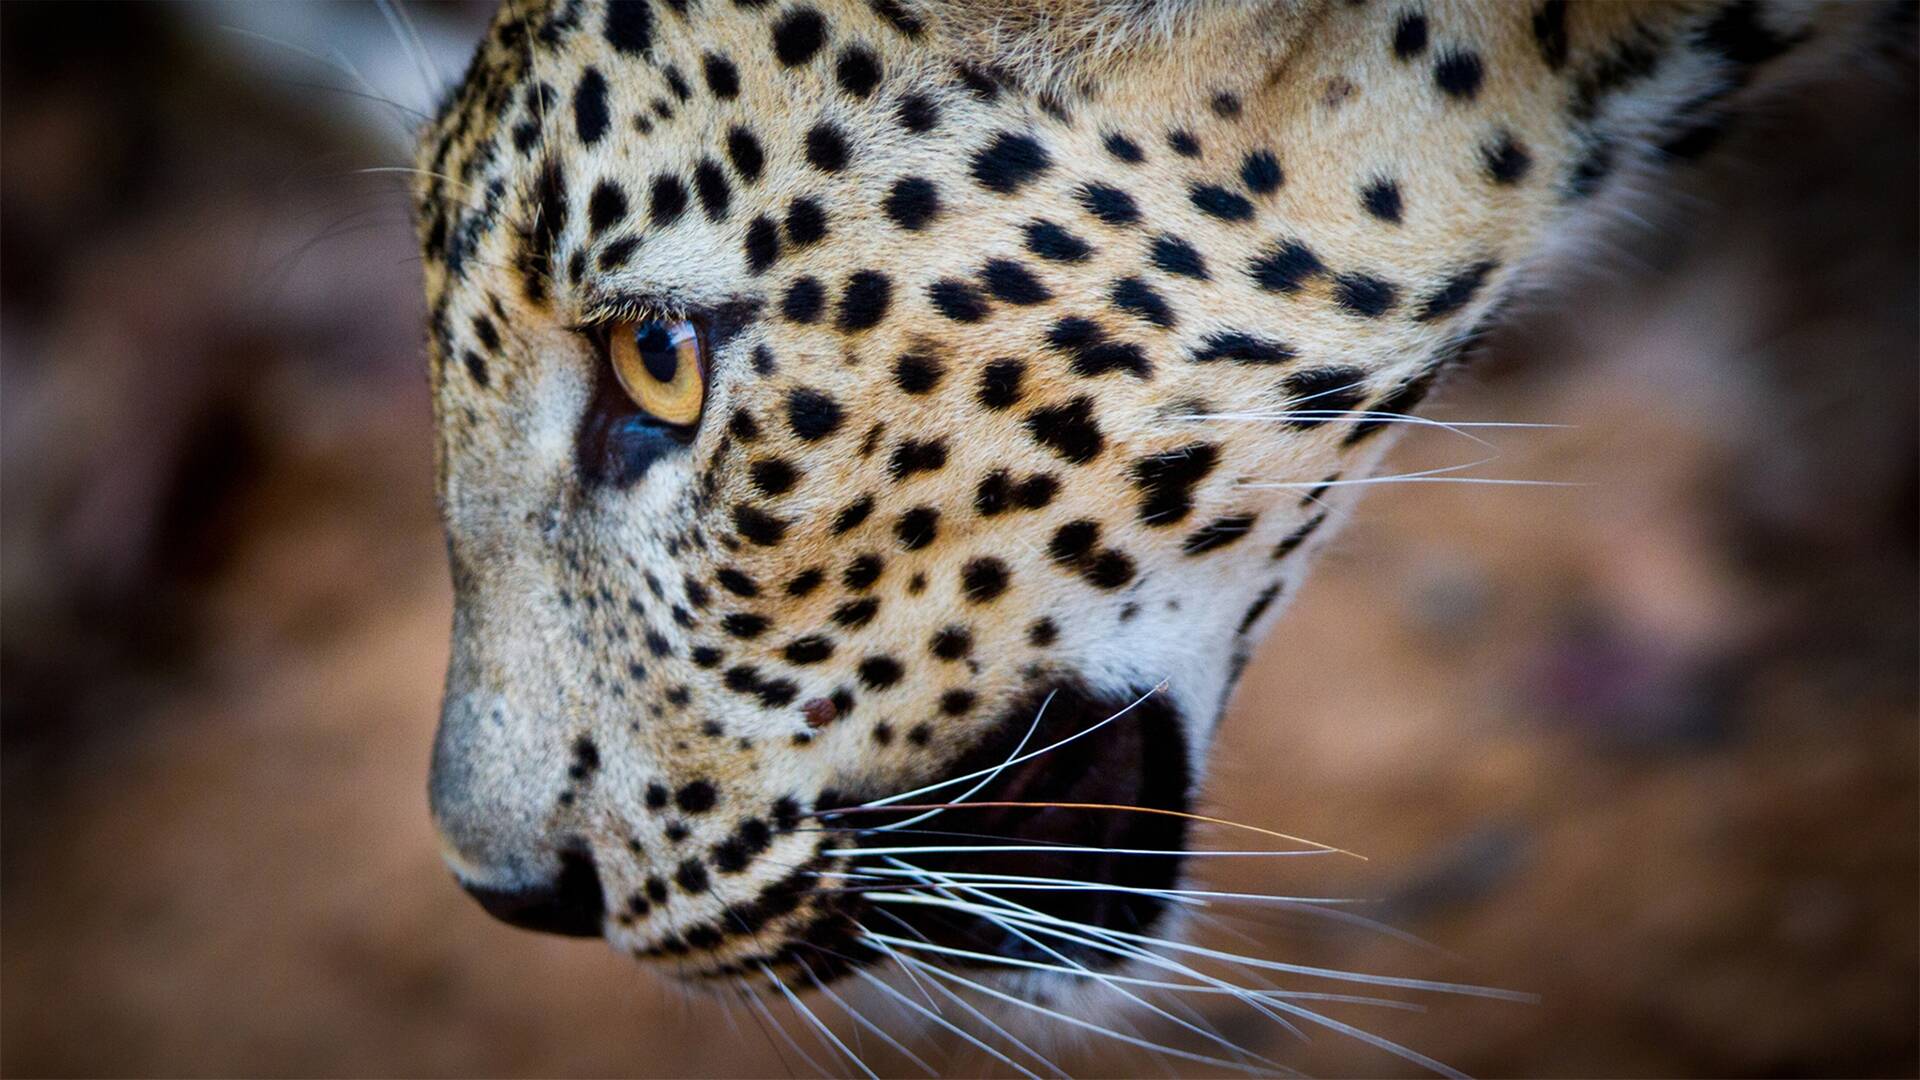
(662, 365)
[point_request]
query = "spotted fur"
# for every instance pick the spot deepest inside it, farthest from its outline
(972, 271)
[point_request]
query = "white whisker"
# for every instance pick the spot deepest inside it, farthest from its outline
(1038, 715)
(877, 1030)
(854, 852)
(807, 1014)
(773, 1022)
(905, 795)
(943, 1022)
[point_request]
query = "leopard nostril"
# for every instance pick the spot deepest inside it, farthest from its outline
(572, 905)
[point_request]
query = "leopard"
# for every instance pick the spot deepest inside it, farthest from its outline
(873, 435)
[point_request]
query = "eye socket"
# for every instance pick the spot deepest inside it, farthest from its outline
(662, 365)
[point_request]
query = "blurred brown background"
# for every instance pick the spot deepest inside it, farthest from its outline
(1645, 747)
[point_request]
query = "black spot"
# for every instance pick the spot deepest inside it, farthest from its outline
(805, 582)
(629, 26)
(1010, 162)
(668, 199)
(705, 655)
(758, 526)
(1110, 569)
(1456, 293)
(476, 368)
(880, 672)
(744, 151)
(590, 106)
(1035, 491)
(1109, 204)
(917, 527)
(916, 374)
(763, 244)
(1092, 353)
(1225, 106)
(1381, 198)
(1013, 283)
(1258, 608)
(697, 797)
(918, 114)
(1218, 202)
(656, 797)
(692, 876)
(1124, 149)
(983, 580)
(737, 583)
(711, 185)
(1074, 542)
(991, 497)
(1243, 348)
(1299, 536)
(1042, 633)
(853, 515)
(1364, 294)
(1183, 143)
(1166, 481)
(1261, 173)
(605, 207)
(957, 702)
(1000, 384)
(1285, 266)
(1458, 74)
(951, 643)
(812, 414)
(806, 221)
(1738, 34)
(1550, 31)
(1217, 534)
(803, 301)
(1410, 36)
(1069, 430)
(858, 71)
(1175, 256)
(862, 572)
(722, 77)
(826, 148)
(1136, 297)
(773, 476)
(798, 35)
(901, 19)
(616, 254)
(913, 456)
(808, 650)
(1051, 242)
(957, 300)
(856, 614)
(1323, 393)
(864, 300)
(912, 202)
(1506, 161)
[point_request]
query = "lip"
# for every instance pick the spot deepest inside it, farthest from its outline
(1138, 760)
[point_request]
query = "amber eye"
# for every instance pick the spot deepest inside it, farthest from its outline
(662, 365)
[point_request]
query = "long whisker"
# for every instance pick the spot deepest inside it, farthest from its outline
(1068, 850)
(879, 1032)
(1118, 807)
(934, 811)
(1019, 882)
(1248, 961)
(773, 1022)
(1075, 1021)
(896, 995)
(1110, 983)
(808, 1015)
(905, 795)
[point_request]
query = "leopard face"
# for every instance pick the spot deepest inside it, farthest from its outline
(1038, 345)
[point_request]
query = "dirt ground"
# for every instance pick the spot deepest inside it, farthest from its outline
(1644, 746)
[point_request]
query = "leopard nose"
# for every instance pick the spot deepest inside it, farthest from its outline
(572, 904)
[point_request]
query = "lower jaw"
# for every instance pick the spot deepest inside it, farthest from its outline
(1097, 861)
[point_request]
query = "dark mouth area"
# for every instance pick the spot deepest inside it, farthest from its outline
(1138, 760)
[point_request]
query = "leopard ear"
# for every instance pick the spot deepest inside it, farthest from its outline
(1069, 46)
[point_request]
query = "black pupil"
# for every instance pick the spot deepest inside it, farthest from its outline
(657, 351)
